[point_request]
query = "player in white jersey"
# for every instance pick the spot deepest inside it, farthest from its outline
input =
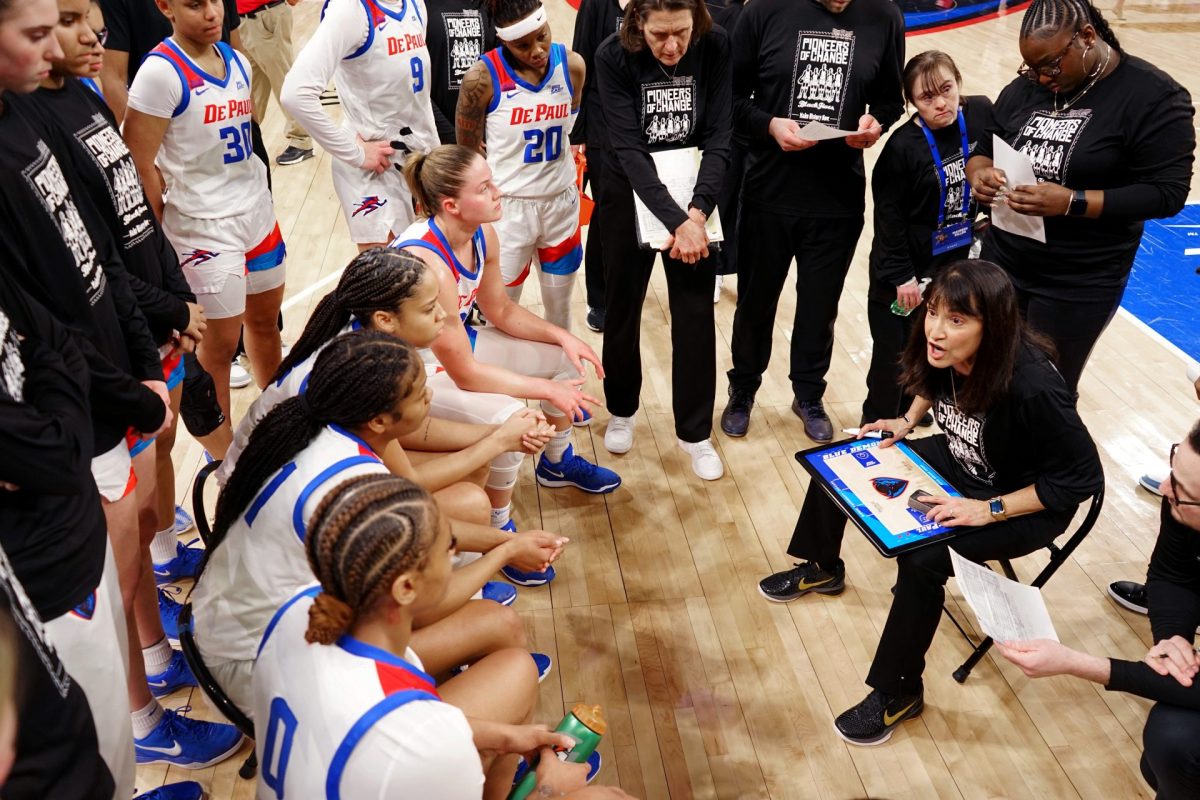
(190, 114)
(522, 98)
(517, 354)
(366, 389)
(346, 707)
(375, 52)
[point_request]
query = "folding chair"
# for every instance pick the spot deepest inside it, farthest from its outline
(1057, 556)
(187, 637)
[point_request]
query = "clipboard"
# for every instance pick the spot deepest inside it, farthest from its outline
(678, 170)
(872, 487)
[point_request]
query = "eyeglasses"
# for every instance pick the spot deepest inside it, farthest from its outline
(1175, 501)
(1052, 69)
(101, 36)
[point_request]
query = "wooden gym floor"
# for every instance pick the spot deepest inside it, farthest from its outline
(711, 691)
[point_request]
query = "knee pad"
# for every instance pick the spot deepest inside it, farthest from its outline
(198, 405)
(556, 298)
(505, 467)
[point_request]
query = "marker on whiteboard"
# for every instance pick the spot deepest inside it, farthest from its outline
(868, 434)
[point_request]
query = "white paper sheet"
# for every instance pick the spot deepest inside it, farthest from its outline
(678, 170)
(819, 132)
(1018, 171)
(1007, 611)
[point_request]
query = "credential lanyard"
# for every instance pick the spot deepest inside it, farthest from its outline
(941, 171)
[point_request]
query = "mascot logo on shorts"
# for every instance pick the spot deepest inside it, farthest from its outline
(87, 608)
(198, 257)
(889, 487)
(369, 205)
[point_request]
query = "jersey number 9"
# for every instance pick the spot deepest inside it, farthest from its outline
(237, 143)
(418, 72)
(543, 145)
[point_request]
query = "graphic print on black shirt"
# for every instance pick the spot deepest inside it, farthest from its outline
(964, 437)
(956, 182)
(464, 44)
(30, 625)
(104, 144)
(12, 368)
(45, 177)
(1048, 139)
(668, 110)
(819, 77)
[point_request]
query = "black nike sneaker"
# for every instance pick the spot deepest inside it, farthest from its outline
(871, 721)
(802, 579)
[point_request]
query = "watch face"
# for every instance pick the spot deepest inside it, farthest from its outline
(996, 506)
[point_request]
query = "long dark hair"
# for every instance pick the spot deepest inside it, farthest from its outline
(364, 534)
(379, 279)
(1048, 17)
(982, 290)
(633, 38)
(360, 375)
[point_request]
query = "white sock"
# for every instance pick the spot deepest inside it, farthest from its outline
(162, 546)
(501, 516)
(146, 719)
(157, 656)
(558, 445)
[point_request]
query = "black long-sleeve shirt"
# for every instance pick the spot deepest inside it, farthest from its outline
(595, 21)
(906, 192)
(51, 526)
(1173, 591)
(83, 134)
(1030, 436)
(55, 248)
(649, 108)
(459, 32)
(794, 59)
(1131, 135)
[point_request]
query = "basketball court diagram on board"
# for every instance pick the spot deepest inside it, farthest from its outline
(1164, 288)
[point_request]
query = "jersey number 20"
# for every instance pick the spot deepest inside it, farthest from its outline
(237, 143)
(543, 145)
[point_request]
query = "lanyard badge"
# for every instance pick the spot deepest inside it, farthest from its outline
(956, 234)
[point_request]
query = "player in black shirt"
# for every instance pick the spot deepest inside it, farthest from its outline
(1015, 448)
(458, 33)
(1168, 674)
(1112, 143)
(664, 84)
(836, 62)
(914, 200)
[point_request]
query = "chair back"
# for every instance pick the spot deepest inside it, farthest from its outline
(191, 653)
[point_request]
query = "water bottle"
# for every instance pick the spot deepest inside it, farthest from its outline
(586, 725)
(899, 310)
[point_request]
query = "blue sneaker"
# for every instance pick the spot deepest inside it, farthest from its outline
(183, 521)
(177, 675)
(544, 664)
(184, 790)
(576, 471)
(186, 742)
(514, 575)
(500, 593)
(593, 762)
(584, 419)
(169, 610)
(185, 564)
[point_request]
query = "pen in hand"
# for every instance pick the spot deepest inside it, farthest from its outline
(868, 434)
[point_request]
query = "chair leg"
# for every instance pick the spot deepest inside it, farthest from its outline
(976, 656)
(249, 766)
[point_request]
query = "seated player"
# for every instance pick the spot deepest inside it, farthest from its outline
(1013, 445)
(366, 389)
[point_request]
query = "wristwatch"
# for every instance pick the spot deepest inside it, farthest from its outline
(1079, 204)
(996, 507)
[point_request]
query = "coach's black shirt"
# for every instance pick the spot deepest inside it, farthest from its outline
(458, 33)
(1130, 135)
(57, 752)
(55, 248)
(82, 132)
(137, 26)
(649, 108)
(906, 191)
(595, 21)
(794, 59)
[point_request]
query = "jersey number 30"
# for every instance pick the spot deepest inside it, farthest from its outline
(281, 728)
(237, 143)
(543, 145)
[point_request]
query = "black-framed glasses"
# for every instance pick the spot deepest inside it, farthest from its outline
(1051, 69)
(101, 36)
(1175, 501)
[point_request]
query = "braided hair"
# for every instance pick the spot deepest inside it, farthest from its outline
(506, 12)
(364, 534)
(1048, 17)
(379, 279)
(360, 375)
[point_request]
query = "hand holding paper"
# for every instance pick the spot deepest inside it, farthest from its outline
(1007, 611)
(819, 132)
(1018, 171)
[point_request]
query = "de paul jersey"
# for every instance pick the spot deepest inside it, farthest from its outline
(427, 235)
(528, 125)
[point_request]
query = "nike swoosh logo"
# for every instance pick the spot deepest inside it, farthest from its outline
(202, 90)
(510, 95)
(166, 751)
(553, 473)
(812, 584)
(890, 719)
(157, 685)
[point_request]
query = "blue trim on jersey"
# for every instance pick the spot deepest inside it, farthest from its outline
(398, 16)
(95, 87)
(269, 490)
(566, 68)
(341, 757)
(441, 237)
(341, 466)
(557, 56)
(365, 46)
(495, 101)
(140, 445)
(311, 591)
(567, 264)
(226, 55)
(304, 384)
(187, 92)
(356, 647)
(268, 260)
(357, 440)
(472, 335)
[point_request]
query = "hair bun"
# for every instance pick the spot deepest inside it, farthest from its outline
(328, 618)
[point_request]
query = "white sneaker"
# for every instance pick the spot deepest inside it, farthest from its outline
(717, 289)
(705, 461)
(238, 376)
(1152, 481)
(618, 437)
